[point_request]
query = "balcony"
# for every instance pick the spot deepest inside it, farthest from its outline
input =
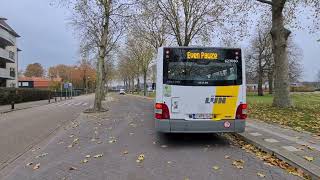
(7, 56)
(5, 73)
(6, 39)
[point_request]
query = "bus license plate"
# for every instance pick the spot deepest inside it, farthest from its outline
(202, 116)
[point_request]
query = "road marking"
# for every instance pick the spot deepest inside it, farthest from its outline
(290, 148)
(271, 140)
(255, 134)
(293, 139)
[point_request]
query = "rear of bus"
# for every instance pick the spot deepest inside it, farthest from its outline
(200, 90)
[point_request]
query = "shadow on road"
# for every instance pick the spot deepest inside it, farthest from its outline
(193, 140)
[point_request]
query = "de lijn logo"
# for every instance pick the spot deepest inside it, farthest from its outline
(216, 100)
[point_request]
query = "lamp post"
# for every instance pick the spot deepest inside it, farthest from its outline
(88, 78)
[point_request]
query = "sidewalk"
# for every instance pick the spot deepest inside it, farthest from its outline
(26, 105)
(299, 149)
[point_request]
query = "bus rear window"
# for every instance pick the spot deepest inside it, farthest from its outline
(196, 72)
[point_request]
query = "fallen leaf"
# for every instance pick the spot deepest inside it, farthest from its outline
(112, 141)
(215, 167)
(261, 175)
(227, 157)
(140, 158)
(71, 136)
(98, 155)
(70, 146)
(125, 152)
(238, 163)
(60, 142)
(84, 161)
(164, 146)
(72, 168)
(75, 141)
(88, 156)
(42, 155)
(99, 142)
(309, 158)
(37, 166)
(169, 162)
(30, 163)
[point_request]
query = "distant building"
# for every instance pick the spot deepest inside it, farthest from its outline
(37, 82)
(8, 55)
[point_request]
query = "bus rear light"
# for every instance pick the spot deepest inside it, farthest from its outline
(161, 111)
(242, 112)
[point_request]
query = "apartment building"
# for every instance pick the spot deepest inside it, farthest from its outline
(8, 55)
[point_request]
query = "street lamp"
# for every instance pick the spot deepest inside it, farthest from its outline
(88, 78)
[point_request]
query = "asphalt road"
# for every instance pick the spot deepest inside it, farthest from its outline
(126, 131)
(20, 130)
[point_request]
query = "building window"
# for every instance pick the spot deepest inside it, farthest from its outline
(20, 84)
(25, 84)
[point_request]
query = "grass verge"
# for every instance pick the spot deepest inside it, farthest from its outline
(304, 115)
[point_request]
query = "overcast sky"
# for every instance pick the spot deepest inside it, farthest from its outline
(47, 38)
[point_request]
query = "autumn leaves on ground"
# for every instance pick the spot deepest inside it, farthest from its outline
(304, 115)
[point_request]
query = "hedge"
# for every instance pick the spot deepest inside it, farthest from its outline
(18, 95)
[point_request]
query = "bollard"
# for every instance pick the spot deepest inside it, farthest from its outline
(55, 99)
(12, 104)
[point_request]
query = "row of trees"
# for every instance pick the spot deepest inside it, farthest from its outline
(260, 64)
(82, 75)
(102, 23)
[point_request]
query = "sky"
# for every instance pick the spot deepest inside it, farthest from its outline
(48, 38)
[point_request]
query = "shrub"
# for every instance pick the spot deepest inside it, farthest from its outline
(19, 95)
(302, 89)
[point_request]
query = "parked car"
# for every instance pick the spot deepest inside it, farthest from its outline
(122, 92)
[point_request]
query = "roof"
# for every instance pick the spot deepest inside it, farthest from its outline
(38, 79)
(4, 25)
(39, 82)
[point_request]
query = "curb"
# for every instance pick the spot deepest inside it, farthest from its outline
(290, 158)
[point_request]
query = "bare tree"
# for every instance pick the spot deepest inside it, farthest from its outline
(198, 19)
(143, 54)
(261, 63)
(283, 11)
(100, 24)
(149, 25)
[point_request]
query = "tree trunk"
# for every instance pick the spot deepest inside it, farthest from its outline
(145, 83)
(138, 84)
(270, 80)
(100, 80)
(260, 78)
(100, 86)
(279, 38)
